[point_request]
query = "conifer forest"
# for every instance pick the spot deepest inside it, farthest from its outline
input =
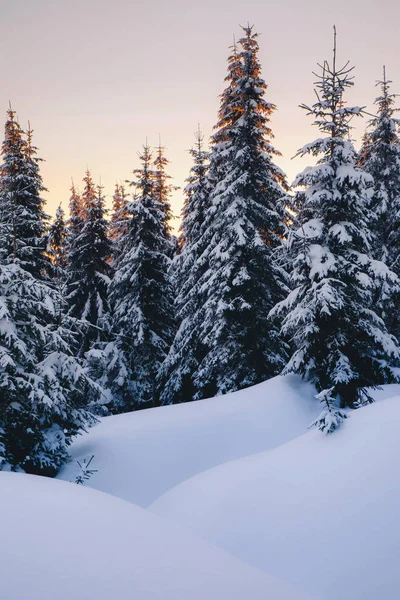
(199, 332)
(110, 313)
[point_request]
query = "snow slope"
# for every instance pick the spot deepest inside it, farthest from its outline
(141, 455)
(62, 541)
(320, 511)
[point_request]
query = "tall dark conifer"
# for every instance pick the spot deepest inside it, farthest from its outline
(119, 214)
(89, 271)
(23, 218)
(380, 157)
(118, 222)
(225, 336)
(175, 376)
(41, 382)
(57, 240)
(341, 344)
(140, 293)
(75, 221)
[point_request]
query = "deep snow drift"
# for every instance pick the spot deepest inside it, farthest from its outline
(141, 455)
(321, 511)
(243, 473)
(60, 541)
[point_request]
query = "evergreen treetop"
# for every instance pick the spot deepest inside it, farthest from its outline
(197, 192)
(341, 344)
(89, 271)
(57, 239)
(380, 157)
(162, 190)
(140, 293)
(225, 340)
(119, 214)
(23, 220)
(75, 221)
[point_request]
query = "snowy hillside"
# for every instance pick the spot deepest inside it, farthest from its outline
(141, 455)
(243, 473)
(320, 511)
(64, 542)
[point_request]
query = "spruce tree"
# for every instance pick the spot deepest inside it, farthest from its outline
(41, 383)
(57, 251)
(57, 239)
(162, 189)
(23, 220)
(140, 293)
(119, 214)
(380, 157)
(75, 221)
(175, 380)
(197, 193)
(118, 222)
(341, 344)
(162, 193)
(89, 271)
(175, 376)
(225, 337)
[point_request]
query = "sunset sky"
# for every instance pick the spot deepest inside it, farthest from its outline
(96, 77)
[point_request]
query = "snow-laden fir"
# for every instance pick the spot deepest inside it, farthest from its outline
(225, 340)
(340, 342)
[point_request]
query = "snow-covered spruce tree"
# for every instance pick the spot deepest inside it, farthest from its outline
(380, 156)
(197, 193)
(57, 239)
(176, 375)
(23, 220)
(57, 251)
(162, 192)
(225, 341)
(75, 221)
(119, 217)
(140, 293)
(341, 344)
(162, 188)
(174, 379)
(89, 271)
(41, 383)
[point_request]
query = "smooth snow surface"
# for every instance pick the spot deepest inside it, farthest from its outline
(62, 541)
(141, 455)
(243, 473)
(320, 511)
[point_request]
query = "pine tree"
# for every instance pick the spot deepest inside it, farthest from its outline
(75, 221)
(23, 220)
(341, 344)
(120, 214)
(174, 379)
(89, 271)
(57, 251)
(225, 339)
(118, 222)
(380, 157)
(140, 293)
(57, 239)
(162, 191)
(41, 383)
(197, 193)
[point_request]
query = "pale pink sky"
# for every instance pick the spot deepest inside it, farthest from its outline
(96, 77)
